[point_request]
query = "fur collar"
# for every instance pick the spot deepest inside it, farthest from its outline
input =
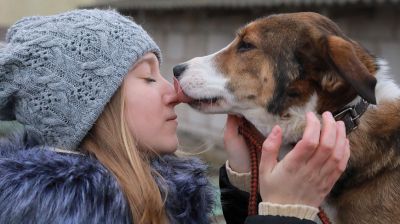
(189, 191)
(42, 186)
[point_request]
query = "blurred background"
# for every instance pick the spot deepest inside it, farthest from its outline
(188, 28)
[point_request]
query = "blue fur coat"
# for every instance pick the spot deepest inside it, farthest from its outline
(43, 186)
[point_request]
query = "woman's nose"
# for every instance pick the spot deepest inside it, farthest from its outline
(171, 97)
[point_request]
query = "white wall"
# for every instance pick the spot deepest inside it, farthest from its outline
(13, 10)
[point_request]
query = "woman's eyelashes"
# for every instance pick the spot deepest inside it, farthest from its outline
(149, 80)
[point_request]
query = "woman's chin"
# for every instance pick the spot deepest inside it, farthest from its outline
(168, 147)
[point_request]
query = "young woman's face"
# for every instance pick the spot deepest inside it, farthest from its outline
(149, 106)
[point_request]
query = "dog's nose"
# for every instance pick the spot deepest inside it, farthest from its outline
(178, 70)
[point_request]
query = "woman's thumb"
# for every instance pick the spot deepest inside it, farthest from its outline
(270, 150)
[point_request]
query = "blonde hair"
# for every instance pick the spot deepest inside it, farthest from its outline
(111, 143)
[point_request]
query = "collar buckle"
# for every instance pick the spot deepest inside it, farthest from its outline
(351, 115)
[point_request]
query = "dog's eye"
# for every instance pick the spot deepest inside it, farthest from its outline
(245, 46)
(293, 94)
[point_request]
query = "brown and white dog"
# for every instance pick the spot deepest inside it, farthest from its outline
(282, 66)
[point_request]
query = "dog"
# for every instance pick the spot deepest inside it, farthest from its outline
(279, 67)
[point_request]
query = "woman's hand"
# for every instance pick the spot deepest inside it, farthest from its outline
(235, 146)
(308, 172)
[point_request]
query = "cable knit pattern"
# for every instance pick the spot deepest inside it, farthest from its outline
(298, 211)
(239, 180)
(58, 72)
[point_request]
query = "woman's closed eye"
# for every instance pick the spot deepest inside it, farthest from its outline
(148, 79)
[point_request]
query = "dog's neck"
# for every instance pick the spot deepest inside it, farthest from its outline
(292, 126)
(376, 137)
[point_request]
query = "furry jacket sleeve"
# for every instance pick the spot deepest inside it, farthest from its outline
(39, 185)
(234, 206)
(42, 186)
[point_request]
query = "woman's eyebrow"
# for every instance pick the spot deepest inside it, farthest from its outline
(150, 60)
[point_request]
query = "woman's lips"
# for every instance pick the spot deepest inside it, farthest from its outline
(171, 118)
(182, 97)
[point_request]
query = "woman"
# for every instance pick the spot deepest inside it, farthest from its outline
(100, 132)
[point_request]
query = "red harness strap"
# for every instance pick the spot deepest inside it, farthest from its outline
(254, 140)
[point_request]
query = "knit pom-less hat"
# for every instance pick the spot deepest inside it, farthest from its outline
(58, 72)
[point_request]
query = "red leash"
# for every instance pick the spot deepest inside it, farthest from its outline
(254, 140)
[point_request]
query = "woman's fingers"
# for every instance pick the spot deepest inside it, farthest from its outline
(232, 139)
(231, 126)
(346, 157)
(270, 151)
(285, 182)
(332, 163)
(306, 147)
(310, 170)
(333, 133)
(341, 138)
(335, 174)
(235, 146)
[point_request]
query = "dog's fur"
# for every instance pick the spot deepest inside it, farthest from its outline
(281, 66)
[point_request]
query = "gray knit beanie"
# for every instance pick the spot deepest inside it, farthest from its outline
(58, 72)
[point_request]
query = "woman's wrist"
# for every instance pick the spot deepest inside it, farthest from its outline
(237, 179)
(239, 166)
(289, 210)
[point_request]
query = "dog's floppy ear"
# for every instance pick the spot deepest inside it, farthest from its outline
(342, 56)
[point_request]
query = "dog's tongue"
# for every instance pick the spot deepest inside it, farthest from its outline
(182, 97)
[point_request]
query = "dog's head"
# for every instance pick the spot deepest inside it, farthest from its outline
(279, 67)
